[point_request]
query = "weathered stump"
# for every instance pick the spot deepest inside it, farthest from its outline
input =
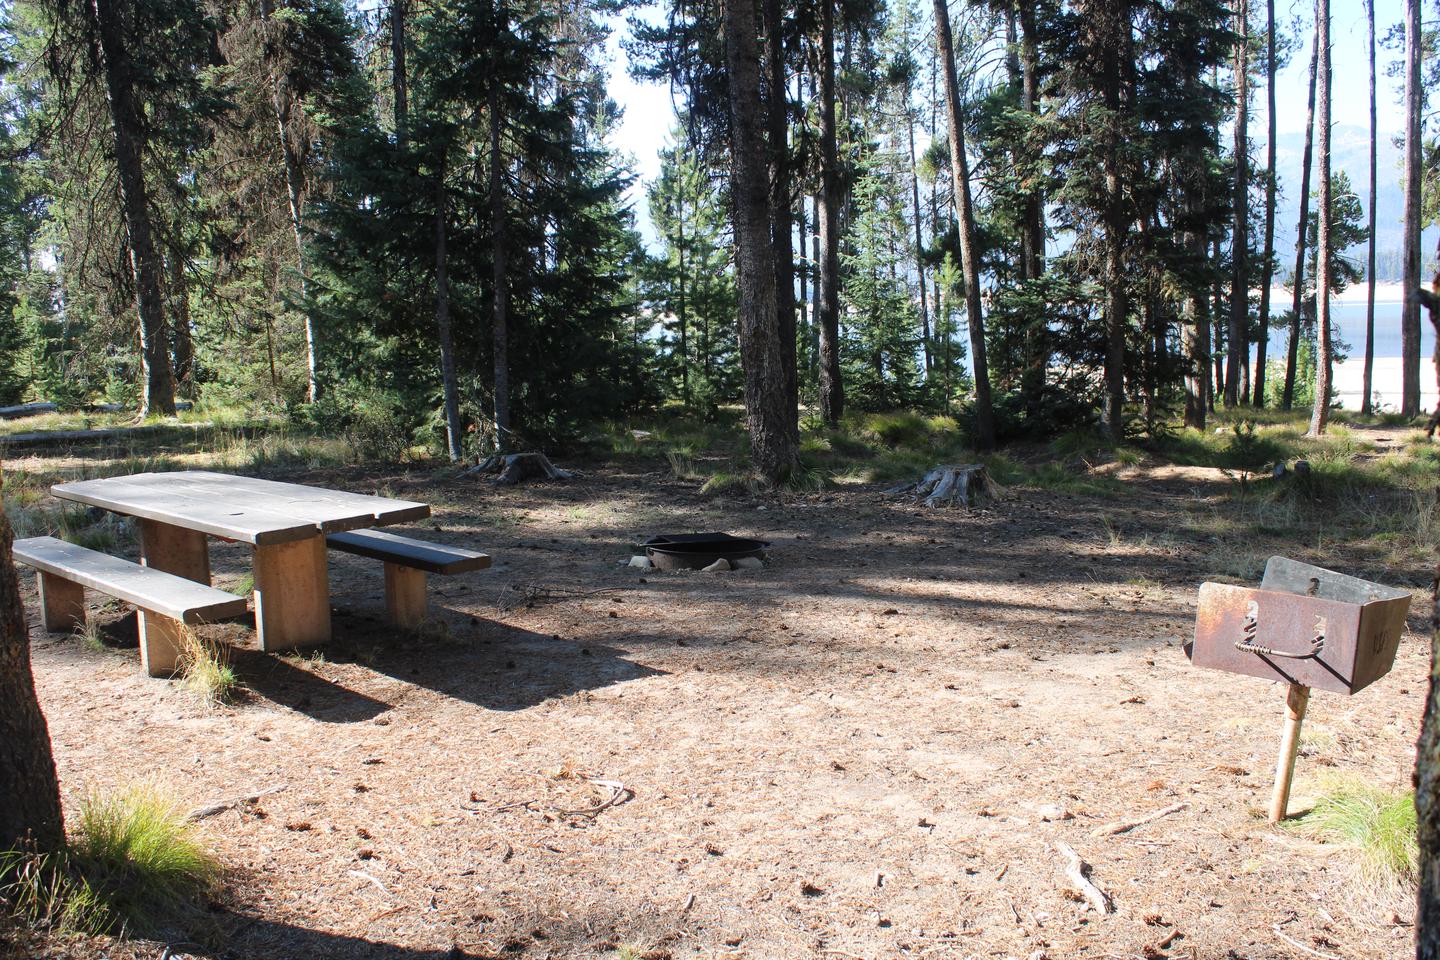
(513, 468)
(949, 486)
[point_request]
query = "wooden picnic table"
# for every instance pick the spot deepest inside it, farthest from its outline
(286, 523)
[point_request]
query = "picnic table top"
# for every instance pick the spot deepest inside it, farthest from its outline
(239, 508)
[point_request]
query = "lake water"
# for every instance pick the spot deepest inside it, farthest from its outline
(1349, 319)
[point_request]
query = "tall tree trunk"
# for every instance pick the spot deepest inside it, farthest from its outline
(399, 82)
(1239, 348)
(1427, 798)
(1032, 230)
(815, 299)
(500, 272)
(832, 388)
(1110, 25)
(1367, 382)
(1267, 263)
(768, 409)
(281, 102)
(442, 322)
(1287, 399)
(782, 230)
(1217, 330)
(110, 49)
(680, 313)
(1321, 413)
(184, 343)
(30, 814)
(806, 320)
(1197, 349)
(965, 211)
(919, 240)
(1410, 315)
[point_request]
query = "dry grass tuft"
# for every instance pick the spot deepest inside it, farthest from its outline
(205, 669)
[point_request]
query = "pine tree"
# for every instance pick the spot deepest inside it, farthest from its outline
(691, 284)
(1297, 280)
(1369, 370)
(985, 435)
(1413, 178)
(773, 442)
(1325, 247)
(1267, 256)
(1239, 346)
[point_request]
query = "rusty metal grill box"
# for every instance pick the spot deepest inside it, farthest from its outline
(1304, 625)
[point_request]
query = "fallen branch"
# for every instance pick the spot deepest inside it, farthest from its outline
(619, 793)
(365, 876)
(532, 594)
(1077, 871)
(220, 806)
(1300, 946)
(1121, 826)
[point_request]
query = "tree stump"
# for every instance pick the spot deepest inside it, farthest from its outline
(513, 468)
(949, 486)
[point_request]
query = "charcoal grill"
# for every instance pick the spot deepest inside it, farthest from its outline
(1307, 627)
(695, 551)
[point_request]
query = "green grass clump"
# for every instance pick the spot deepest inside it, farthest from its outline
(43, 891)
(1376, 825)
(132, 861)
(731, 484)
(901, 428)
(138, 855)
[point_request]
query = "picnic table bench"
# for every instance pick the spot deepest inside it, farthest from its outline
(165, 602)
(407, 561)
(288, 525)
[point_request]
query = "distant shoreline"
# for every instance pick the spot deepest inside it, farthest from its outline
(1388, 291)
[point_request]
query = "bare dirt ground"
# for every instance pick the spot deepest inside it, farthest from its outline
(868, 749)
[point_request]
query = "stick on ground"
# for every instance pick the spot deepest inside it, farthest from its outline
(1077, 871)
(1121, 826)
(220, 806)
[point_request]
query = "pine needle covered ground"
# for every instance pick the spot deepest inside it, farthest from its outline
(870, 748)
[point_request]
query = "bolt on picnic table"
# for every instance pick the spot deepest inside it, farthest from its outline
(286, 523)
(1307, 627)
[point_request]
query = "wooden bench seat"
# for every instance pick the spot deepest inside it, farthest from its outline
(407, 561)
(164, 601)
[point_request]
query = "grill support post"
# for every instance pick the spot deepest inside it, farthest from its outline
(1297, 699)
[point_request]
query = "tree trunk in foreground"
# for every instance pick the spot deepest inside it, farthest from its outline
(1427, 800)
(827, 223)
(1320, 415)
(965, 211)
(127, 125)
(773, 447)
(30, 814)
(1287, 397)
